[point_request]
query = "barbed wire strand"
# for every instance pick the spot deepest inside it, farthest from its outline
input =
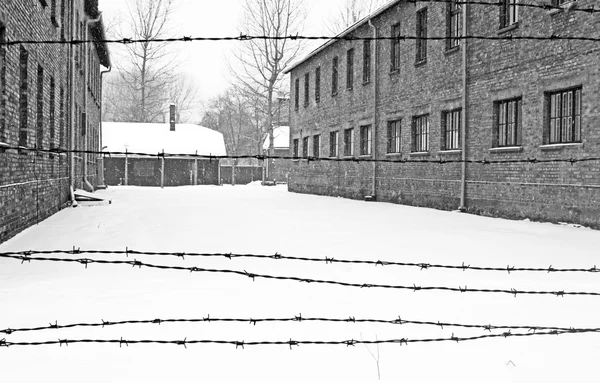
(309, 159)
(297, 319)
(291, 343)
(244, 37)
(327, 260)
(253, 276)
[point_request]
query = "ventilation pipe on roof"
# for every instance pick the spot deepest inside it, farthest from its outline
(373, 195)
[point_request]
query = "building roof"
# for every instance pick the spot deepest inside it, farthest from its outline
(99, 36)
(346, 32)
(154, 138)
(281, 138)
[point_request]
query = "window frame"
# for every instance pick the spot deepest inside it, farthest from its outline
(318, 84)
(420, 136)
(367, 61)
(333, 144)
(575, 117)
(305, 146)
(350, 69)
(297, 94)
(394, 136)
(508, 122)
(335, 66)
(349, 142)
(366, 139)
(509, 13)
(421, 40)
(395, 48)
(295, 147)
(451, 138)
(453, 25)
(316, 146)
(306, 89)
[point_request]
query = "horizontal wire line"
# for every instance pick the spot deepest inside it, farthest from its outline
(253, 276)
(291, 343)
(309, 159)
(243, 37)
(297, 319)
(326, 260)
(547, 7)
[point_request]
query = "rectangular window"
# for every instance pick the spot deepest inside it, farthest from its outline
(54, 13)
(365, 140)
(366, 61)
(393, 136)
(395, 48)
(507, 124)
(350, 69)
(62, 18)
(333, 144)
(334, 76)
(561, 2)
(40, 108)
(297, 94)
(451, 121)
(318, 85)
(306, 89)
(305, 147)
(295, 148)
(420, 133)
(23, 96)
(509, 13)
(421, 35)
(349, 142)
(453, 25)
(564, 116)
(316, 145)
(52, 107)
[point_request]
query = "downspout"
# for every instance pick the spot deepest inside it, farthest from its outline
(85, 100)
(101, 183)
(463, 180)
(373, 195)
(72, 109)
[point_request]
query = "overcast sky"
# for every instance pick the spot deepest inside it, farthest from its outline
(206, 60)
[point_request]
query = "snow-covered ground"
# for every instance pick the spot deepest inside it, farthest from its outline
(269, 220)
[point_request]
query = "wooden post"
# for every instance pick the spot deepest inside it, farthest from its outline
(219, 173)
(126, 169)
(196, 170)
(162, 172)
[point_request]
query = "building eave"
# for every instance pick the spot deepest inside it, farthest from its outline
(346, 32)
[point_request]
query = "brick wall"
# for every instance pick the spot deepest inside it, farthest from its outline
(496, 70)
(34, 186)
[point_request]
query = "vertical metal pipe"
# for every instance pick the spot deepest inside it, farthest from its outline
(375, 120)
(463, 180)
(162, 172)
(126, 168)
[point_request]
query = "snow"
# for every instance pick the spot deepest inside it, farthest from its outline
(281, 138)
(154, 138)
(261, 220)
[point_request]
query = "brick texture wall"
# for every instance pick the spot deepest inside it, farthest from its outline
(496, 70)
(34, 186)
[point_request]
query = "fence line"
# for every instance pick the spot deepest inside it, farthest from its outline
(253, 276)
(309, 159)
(327, 260)
(299, 319)
(291, 343)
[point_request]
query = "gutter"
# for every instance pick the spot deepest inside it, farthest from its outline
(375, 120)
(463, 179)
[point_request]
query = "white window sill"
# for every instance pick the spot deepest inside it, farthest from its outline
(452, 151)
(398, 154)
(506, 149)
(561, 146)
(416, 154)
(364, 156)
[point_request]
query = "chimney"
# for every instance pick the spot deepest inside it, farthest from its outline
(172, 117)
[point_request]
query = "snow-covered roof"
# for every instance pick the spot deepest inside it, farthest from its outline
(281, 138)
(154, 138)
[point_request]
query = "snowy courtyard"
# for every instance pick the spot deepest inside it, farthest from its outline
(268, 221)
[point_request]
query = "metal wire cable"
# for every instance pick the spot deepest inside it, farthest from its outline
(253, 276)
(327, 260)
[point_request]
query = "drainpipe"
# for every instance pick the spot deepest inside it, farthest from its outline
(101, 183)
(463, 180)
(375, 120)
(85, 156)
(72, 107)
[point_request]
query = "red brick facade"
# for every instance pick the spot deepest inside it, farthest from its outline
(506, 81)
(43, 106)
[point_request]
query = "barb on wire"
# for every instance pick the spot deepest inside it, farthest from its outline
(25, 256)
(255, 276)
(317, 159)
(290, 342)
(299, 319)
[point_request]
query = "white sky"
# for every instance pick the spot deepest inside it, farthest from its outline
(206, 60)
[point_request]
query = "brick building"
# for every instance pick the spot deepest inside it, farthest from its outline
(50, 98)
(408, 98)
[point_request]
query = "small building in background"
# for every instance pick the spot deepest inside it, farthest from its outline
(278, 169)
(141, 142)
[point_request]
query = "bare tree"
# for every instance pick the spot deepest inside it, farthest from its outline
(259, 64)
(144, 75)
(351, 12)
